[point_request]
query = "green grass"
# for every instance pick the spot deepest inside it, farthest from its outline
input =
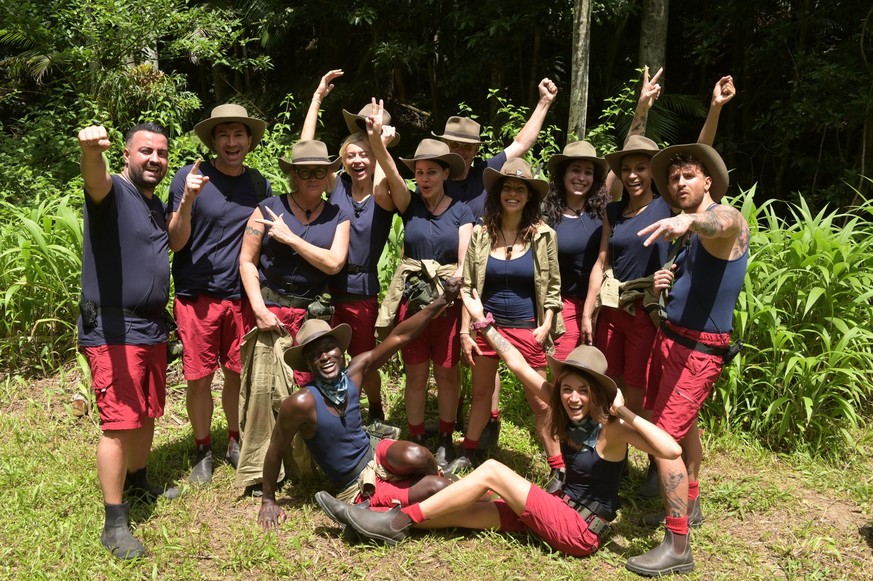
(766, 515)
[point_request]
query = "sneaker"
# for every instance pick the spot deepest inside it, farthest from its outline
(383, 431)
(232, 455)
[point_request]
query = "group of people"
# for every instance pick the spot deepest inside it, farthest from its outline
(629, 303)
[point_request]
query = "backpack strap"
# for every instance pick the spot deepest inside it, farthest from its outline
(259, 183)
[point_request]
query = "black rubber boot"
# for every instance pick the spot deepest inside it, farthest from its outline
(232, 454)
(651, 488)
(673, 555)
(379, 525)
(556, 480)
(137, 484)
(203, 464)
(445, 452)
(490, 435)
(469, 460)
(695, 515)
(116, 536)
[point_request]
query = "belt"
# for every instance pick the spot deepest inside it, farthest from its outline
(284, 300)
(692, 344)
(515, 323)
(597, 524)
(360, 268)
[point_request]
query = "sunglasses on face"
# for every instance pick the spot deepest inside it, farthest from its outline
(306, 173)
(458, 146)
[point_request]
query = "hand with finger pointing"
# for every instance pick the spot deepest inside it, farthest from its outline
(194, 183)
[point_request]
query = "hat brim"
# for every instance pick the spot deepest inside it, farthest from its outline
(559, 158)
(453, 160)
(492, 178)
(605, 382)
(358, 124)
(708, 156)
(203, 130)
(459, 137)
(614, 158)
(294, 355)
(287, 166)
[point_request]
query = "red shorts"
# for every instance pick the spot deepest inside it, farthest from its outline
(361, 317)
(572, 314)
(129, 383)
(292, 318)
(521, 339)
(551, 519)
(680, 379)
(389, 493)
(210, 329)
(626, 340)
(438, 342)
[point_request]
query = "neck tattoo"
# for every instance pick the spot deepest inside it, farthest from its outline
(307, 212)
(509, 246)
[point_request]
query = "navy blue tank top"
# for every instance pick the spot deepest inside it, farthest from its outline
(630, 259)
(578, 245)
(509, 291)
(339, 444)
(706, 289)
(590, 477)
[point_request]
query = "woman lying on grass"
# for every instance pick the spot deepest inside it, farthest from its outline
(594, 436)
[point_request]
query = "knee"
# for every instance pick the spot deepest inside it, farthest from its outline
(411, 459)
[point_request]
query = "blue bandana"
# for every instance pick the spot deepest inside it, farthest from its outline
(335, 391)
(584, 433)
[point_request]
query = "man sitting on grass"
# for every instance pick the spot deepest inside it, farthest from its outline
(327, 414)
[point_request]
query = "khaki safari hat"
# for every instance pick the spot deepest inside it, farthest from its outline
(229, 113)
(590, 360)
(514, 168)
(578, 150)
(460, 129)
(310, 331)
(635, 144)
(705, 154)
(311, 152)
(433, 150)
(358, 123)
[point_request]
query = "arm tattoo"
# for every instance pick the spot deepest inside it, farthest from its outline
(742, 243)
(500, 344)
(639, 128)
(716, 222)
(253, 231)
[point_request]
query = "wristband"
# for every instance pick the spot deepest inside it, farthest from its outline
(479, 325)
(314, 100)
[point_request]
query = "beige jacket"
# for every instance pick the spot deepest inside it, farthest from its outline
(408, 266)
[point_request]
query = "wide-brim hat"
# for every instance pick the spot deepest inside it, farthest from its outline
(433, 150)
(705, 154)
(635, 144)
(230, 113)
(514, 168)
(310, 152)
(578, 150)
(310, 331)
(460, 129)
(590, 360)
(358, 123)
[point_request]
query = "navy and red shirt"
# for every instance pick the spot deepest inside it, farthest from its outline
(471, 190)
(433, 237)
(209, 262)
(630, 259)
(280, 267)
(370, 227)
(578, 246)
(125, 268)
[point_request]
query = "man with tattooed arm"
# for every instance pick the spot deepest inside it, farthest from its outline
(693, 342)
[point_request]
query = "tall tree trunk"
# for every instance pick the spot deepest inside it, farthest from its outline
(580, 64)
(653, 35)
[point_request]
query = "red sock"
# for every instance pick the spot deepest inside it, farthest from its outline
(233, 435)
(416, 430)
(447, 427)
(555, 462)
(207, 441)
(693, 490)
(470, 444)
(413, 511)
(679, 526)
(495, 415)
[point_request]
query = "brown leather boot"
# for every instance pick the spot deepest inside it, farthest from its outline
(673, 555)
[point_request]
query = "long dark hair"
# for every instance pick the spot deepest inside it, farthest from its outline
(598, 403)
(530, 214)
(595, 200)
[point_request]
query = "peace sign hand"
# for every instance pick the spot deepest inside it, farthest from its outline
(651, 90)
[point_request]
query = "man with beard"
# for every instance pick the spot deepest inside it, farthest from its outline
(210, 204)
(327, 414)
(693, 343)
(122, 332)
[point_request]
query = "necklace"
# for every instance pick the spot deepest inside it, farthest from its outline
(430, 213)
(304, 210)
(575, 211)
(509, 246)
(628, 212)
